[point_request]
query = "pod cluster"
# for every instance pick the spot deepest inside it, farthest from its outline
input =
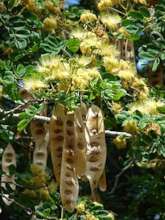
(76, 140)
(78, 150)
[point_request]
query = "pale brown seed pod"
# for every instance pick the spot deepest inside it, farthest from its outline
(80, 120)
(96, 147)
(69, 186)
(8, 159)
(40, 136)
(56, 130)
(103, 182)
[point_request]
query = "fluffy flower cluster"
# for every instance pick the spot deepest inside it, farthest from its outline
(54, 68)
(90, 43)
(83, 77)
(74, 75)
(88, 17)
(124, 69)
(148, 106)
(34, 84)
(140, 87)
(111, 21)
(50, 24)
(105, 4)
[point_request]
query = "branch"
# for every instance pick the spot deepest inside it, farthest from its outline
(47, 119)
(28, 211)
(118, 177)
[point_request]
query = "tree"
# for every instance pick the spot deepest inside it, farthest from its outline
(77, 65)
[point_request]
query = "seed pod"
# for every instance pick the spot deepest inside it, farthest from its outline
(69, 182)
(41, 138)
(80, 120)
(8, 159)
(103, 182)
(56, 131)
(96, 147)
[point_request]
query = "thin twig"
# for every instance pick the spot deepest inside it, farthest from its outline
(118, 177)
(24, 186)
(62, 213)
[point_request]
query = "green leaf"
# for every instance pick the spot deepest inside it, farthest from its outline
(155, 64)
(27, 116)
(73, 45)
(161, 109)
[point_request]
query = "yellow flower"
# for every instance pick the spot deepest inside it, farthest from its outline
(116, 107)
(124, 32)
(83, 60)
(111, 21)
(34, 84)
(131, 126)
(148, 106)
(141, 88)
(53, 68)
(51, 7)
(104, 4)
(108, 50)
(138, 83)
(124, 64)
(120, 142)
(127, 74)
(89, 45)
(88, 17)
(89, 216)
(111, 64)
(50, 24)
(154, 127)
(80, 208)
(83, 76)
(144, 94)
(31, 5)
(77, 33)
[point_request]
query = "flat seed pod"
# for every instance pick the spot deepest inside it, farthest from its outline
(56, 130)
(96, 147)
(80, 117)
(8, 159)
(69, 187)
(103, 182)
(40, 136)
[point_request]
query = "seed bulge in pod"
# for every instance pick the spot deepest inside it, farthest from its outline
(96, 147)
(69, 186)
(8, 159)
(56, 130)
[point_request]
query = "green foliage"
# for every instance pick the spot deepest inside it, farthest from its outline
(153, 49)
(28, 115)
(23, 41)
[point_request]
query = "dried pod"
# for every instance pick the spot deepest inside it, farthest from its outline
(8, 159)
(80, 117)
(103, 182)
(40, 136)
(56, 131)
(96, 147)
(69, 187)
